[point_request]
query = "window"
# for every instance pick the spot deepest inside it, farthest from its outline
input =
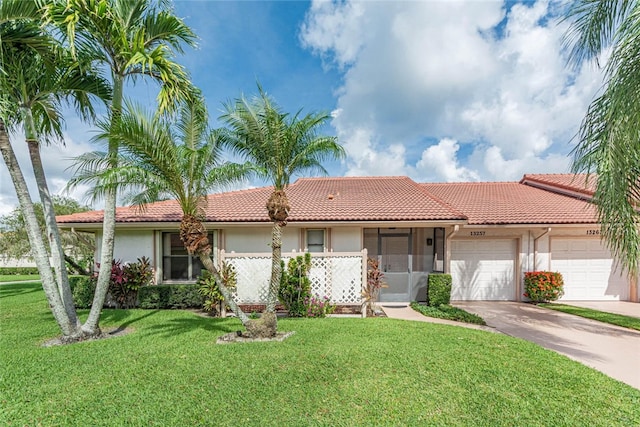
(315, 240)
(177, 264)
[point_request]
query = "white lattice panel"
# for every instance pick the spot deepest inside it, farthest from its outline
(336, 276)
(253, 275)
(347, 280)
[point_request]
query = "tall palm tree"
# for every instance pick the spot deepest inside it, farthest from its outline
(36, 78)
(609, 136)
(160, 159)
(131, 38)
(280, 146)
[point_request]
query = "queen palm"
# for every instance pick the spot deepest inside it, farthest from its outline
(132, 38)
(36, 78)
(609, 136)
(280, 146)
(159, 160)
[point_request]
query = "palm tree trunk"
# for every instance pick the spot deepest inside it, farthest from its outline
(108, 223)
(53, 233)
(207, 262)
(69, 328)
(276, 267)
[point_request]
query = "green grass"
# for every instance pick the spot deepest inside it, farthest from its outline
(601, 316)
(18, 277)
(333, 372)
(448, 312)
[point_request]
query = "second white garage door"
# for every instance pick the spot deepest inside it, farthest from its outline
(588, 270)
(483, 269)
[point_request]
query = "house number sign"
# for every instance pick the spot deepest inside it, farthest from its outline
(593, 232)
(478, 233)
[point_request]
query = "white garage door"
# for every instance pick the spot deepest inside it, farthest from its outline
(483, 269)
(588, 270)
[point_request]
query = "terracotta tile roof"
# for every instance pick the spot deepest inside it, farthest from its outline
(574, 184)
(512, 203)
(312, 199)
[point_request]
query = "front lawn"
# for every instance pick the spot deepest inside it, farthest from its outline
(18, 277)
(334, 371)
(601, 316)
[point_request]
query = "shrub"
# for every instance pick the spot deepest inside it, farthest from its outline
(170, 297)
(318, 307)
(208, 288)
(374, 283)
(82, 288)
(448, 312)
(543, 286)
(126, 280)
(438, 289)
(295, 285)
(18, 271)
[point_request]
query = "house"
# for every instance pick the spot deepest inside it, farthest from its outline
(486, 234)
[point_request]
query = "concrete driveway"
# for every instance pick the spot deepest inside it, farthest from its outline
(607, 348)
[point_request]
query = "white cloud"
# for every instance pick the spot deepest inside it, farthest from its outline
(438, 162)
(488, 80)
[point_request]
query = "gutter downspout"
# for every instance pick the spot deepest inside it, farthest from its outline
(535, 248)
(456, 228)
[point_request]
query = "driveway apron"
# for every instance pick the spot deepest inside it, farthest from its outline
(610, 349)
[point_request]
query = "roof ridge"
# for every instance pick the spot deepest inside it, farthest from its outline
(345, 178)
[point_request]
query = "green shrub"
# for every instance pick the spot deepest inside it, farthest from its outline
(82, 288)
(448, 312)
(18, 271)
(208, 288)
(438, 289)
(295, 285)
(170, 296)
(185, 296)
(543, 286)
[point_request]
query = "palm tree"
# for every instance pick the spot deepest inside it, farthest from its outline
(35, 80)
(131, 38)
(160, 159)
(609, 136)
(280, 146)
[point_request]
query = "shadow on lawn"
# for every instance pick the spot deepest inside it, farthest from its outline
(10, 290)
(183, 325)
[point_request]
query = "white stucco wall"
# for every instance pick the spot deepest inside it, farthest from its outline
(258, 239)
(346, 239)
(129, 245)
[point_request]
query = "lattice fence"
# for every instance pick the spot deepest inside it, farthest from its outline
(338, 275)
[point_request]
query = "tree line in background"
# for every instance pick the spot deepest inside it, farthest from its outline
(81, 52)
(79, 247)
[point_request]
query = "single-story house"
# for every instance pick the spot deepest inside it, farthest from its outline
(486, 234)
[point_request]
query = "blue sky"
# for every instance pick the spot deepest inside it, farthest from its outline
(435, 90)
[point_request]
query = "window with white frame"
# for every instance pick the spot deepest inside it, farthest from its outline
(315, 240)
(177, 264)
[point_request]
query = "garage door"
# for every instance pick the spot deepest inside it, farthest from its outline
(588, 270)
(483, 269)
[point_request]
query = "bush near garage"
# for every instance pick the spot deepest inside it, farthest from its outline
(543, 286)
(438, 289)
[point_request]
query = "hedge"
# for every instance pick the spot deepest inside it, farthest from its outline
(438, 289)
(170, 296)
(82, 289)
(150, 297)
(18, 271)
